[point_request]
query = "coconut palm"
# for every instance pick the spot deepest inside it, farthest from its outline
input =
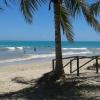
(63, 11)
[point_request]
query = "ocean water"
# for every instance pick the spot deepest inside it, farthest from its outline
(16, 51)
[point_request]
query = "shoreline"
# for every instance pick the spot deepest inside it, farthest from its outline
(7, 56)
(25, 62)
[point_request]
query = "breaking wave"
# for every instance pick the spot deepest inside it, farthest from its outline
(11, 48)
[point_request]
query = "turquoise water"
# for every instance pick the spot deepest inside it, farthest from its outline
(15, 51)
(46, 44)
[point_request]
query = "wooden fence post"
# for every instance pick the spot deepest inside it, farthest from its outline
(77, 65)
(53, 65)
(70, 66)
(97, 64)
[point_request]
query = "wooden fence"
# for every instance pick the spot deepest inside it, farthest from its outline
(77, 58)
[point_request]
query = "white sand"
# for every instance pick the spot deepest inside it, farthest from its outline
(28, 72)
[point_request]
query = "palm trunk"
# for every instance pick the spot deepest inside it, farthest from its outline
(58, 48)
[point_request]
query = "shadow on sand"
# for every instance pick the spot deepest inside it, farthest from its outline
(45, 89)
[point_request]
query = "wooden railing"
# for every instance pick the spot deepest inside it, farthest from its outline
(77, 58)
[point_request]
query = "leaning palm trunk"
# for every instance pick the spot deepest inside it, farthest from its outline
(58, 49)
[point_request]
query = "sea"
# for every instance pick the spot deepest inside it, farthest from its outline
(22, 51)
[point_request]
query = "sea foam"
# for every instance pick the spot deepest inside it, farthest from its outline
(38, 56)
(11, 48)
(74, 48)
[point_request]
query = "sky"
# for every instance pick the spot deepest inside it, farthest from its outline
(14, 27)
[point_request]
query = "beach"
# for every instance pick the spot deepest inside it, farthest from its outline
(18, 76)
(21, 67)
(56, 56)
(26, 72)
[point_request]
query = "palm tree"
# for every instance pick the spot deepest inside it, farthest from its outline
(63, 11)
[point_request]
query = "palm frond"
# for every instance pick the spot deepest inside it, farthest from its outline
(65, 23)
(74, 6)
(6, 2)
(29, 6)
(95, 8)
(81, 6)
(91, 20)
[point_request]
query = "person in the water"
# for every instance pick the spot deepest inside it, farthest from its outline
(24, 50)
(34, 49)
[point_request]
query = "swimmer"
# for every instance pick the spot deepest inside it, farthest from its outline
(34, 49)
